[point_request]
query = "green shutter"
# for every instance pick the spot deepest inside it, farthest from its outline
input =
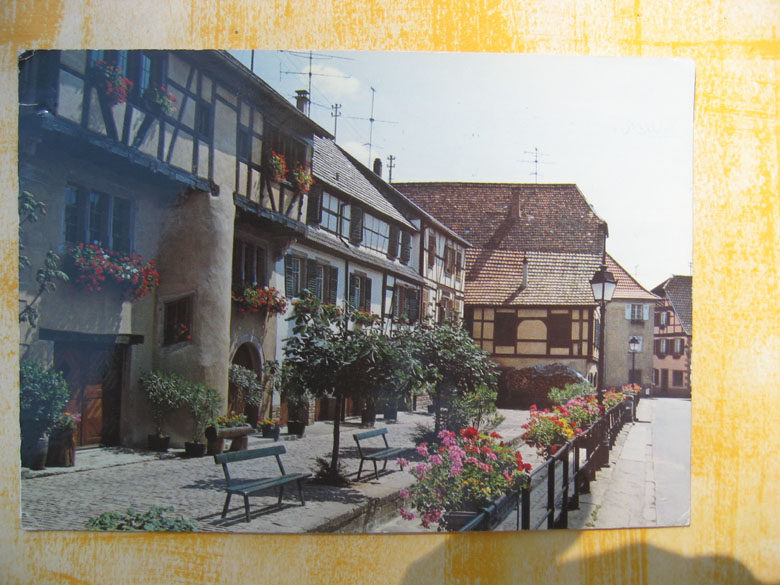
(312, 283)
(392, 248)
(314, 207)
(406, 247)
(354, 286)
(412, 304)
(333, 281)
(366, 297)
(290, 280)
(356, 225)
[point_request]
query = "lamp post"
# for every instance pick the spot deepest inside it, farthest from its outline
(603, 285)
(633, 347)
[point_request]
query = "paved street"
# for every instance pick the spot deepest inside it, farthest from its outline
(648, 480)
(117, 479)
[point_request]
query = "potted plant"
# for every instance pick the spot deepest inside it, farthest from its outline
(62, 445)
(465, 472)
(229, 426)
(43, 393)
(164, 393)
(278, 166)
(111, 82)
(250, 390)
(203, 403)
(270, 428)
(159, 99)
(252, 299)
(302, 178)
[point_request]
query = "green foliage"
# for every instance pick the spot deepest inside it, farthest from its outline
(477, 409)
(165, 392)
(250, 389)
(43, 393)
(153, 520)
(563, 395)
(457, 372)
(48, 275)
(203, 403)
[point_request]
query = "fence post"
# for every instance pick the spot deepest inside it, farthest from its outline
(564, 521)
(551, 494)
(525, 502)
(575, 498)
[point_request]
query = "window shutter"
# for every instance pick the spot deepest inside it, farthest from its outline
(366, 294)
(412, 304)
(392, 249)
(356, 225)
(314, 208)
(333, 282)
(628, 310)
(397, 301)
(290, 289)
(406, 247)
(646, 312)
(431, 250)
(459, 262)
(354, 286)
(312, 271)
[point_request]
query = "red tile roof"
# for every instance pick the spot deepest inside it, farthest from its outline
(627, 287)
(550, 217)
(494, 277)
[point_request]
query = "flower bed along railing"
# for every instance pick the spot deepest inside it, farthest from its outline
(91, 267)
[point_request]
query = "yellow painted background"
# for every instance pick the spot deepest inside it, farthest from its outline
(735, 522)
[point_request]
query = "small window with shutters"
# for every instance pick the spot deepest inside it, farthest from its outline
(406, 247)
(249, 264)
(293, 275)
(356, 225)
(392, 247)
(406, 303)
(449, 260)
(360, 292)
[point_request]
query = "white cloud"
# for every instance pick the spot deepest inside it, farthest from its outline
(332, 82)
(356, 149)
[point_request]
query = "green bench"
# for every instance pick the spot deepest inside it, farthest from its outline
(374, 456)
(248, 488)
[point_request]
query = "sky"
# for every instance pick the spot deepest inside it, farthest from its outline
(620, 128)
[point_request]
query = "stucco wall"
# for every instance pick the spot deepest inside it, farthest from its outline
(619, 332)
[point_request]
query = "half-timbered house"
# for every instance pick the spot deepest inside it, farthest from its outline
(535, 248)
(166, 155)
(673, 334)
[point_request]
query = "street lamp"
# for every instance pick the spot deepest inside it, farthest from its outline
(603, 285)
(633, 347)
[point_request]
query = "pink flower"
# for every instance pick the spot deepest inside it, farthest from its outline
(402, 462)
(406, 514)
(435, 460)
(404, 493)
(422, 449)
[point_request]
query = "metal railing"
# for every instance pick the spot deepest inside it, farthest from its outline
(566, 475)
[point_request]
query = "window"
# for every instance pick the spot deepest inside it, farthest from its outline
(376, 233)
(655, 377)
(203, 113)
(98, 218)
(292, 276)
(274, 140)
(177, 321)
(322, 281)
(559, 330)
(447, 310)
(449, 260)
(459, 264)
(360, 292)
(244, 150)
(505, 331)
(637, 312)
(406, 302)
(679, 345)
(249, 264)
(335, 215)
(664, 318)
(431, 250)
(662, 346)
(406, 247)
(677, 378)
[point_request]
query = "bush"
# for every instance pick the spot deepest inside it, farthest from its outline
(153, 520)
(246, 381)
(203, 403)
(477, 410)
(563, 395)
(43, 393)
(165, 392)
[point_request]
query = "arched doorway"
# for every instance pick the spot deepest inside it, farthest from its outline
(248, 357)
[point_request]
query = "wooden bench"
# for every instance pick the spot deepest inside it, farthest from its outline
(374, 456)
(248, 488)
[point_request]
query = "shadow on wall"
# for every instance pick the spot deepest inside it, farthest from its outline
(518, 558)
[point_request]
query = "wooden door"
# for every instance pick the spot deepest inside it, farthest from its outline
(93, 373)
(664, 379)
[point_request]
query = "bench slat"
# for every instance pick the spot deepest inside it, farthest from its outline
(235, 456)
(256, 486)
(369, 434)
(384, 453)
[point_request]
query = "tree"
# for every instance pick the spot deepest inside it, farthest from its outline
(48, 275)
(453, 367)
(326, 357)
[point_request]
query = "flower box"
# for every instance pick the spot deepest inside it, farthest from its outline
(238, 435)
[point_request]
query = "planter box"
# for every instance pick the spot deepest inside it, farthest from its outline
(295, 427)
(216, 438)
(62, 450)
(271, 432)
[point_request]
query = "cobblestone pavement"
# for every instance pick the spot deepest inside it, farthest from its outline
(194, 487)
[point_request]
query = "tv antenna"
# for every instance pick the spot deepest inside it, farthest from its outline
(336, 114)
(310, 55)
(536, 162)
(371, 121)
(390, 167)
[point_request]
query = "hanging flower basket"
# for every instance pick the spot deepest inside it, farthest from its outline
(302, 178)
(158, 98)
(90, 267)
(254, 299)
(111, 82)
(278, 167)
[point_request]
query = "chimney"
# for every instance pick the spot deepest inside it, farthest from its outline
(524, 284)
(302, 100)
(514, 205)
(378, 167)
